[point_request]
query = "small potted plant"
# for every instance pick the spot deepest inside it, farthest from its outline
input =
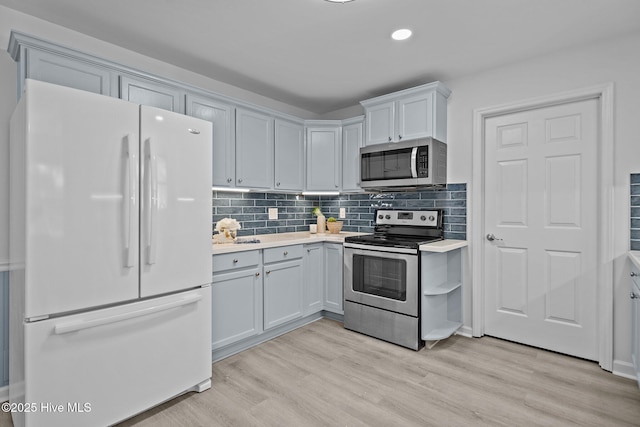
(334, 225)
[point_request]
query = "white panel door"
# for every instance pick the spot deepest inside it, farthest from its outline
(540, 223)
(81, 170)
(175, 223)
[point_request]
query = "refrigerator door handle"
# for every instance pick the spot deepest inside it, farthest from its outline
(78, 325)
(152, 197)
(130, 199)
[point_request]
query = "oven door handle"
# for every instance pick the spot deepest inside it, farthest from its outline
(390, 249)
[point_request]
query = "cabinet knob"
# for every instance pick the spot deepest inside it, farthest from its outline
(239, 179)
(235, 261)
(390, 139)
(286, 253)
(257, 274)
(399, 137)
(634, 274)
(267, 272)
(278, 184)
(634, 295)
(229, 179)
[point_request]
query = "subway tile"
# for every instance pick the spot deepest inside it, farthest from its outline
(635, 190)
(635, 178)
(635, 245)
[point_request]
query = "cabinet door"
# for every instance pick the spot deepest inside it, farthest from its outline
(324, 159)
(221, 115)
(153, 94)
(635, 324)
(415, 117)
(289, 156)
(380, 121)
(254, 149)
(282, 293)
(64, 71)
(351, 143)
(236, 306)
(333, 266)
(313, 263)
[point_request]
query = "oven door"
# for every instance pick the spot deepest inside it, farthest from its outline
(382, 277)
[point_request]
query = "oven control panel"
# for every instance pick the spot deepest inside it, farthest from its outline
(407, 217)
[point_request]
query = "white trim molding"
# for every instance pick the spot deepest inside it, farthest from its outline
(605, 95)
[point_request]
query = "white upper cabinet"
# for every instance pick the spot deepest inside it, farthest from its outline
(324, 156)
(412, 113)
(149, 92)
(254, 149)
(289, 156)
(352, 138)
(222, 116)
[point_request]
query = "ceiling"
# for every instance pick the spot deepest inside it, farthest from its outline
(321, 56)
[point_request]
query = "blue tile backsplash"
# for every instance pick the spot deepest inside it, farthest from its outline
(634, 223)
(295, 213)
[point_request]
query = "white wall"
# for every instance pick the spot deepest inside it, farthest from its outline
(614, 61)
(11, 20)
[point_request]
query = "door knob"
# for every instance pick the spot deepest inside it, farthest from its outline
(491, 237)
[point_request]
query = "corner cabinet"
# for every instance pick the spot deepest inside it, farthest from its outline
(323, 148)
(254, 149)
(222, 115)
(441, 293)
(289, 156)
(412, 113)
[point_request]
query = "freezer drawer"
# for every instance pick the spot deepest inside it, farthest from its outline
(104, 366)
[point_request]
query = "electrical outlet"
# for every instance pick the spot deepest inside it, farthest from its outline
(343, 213)
(273, 213)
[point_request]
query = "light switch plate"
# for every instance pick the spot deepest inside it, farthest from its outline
(273, 213)
(343, 213)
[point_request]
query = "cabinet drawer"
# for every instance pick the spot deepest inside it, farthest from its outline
(282, 253)
(234, 260)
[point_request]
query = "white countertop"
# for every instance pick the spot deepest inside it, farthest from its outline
(444, 245)
(634, 256)
(280, 239)
(304, 237)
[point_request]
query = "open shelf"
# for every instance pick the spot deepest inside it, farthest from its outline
(442, 331)
(443, 288)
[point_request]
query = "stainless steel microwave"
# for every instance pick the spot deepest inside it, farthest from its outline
(403, 165)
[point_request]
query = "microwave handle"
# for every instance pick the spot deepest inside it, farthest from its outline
(414, 162)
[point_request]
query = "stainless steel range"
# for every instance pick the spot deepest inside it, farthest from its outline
(382, 277)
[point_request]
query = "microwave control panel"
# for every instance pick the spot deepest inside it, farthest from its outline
(423, 161)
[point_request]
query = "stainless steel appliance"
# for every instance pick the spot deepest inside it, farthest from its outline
(382, 275)
(403, 165)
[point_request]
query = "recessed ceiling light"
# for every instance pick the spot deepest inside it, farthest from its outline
(401, 34)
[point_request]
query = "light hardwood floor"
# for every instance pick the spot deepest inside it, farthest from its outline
(324, 375)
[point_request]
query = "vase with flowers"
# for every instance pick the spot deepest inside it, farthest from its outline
(227, 229)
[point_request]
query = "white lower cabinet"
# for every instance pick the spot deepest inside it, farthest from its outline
(282, 285)
(236, 298)
(313, 265)
(635, 319)
(333, 265)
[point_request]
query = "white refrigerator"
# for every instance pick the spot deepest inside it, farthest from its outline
(110, 246)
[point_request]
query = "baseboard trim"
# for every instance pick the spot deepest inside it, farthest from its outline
(624, 369)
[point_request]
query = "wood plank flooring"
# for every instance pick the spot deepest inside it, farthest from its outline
(324, 375)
